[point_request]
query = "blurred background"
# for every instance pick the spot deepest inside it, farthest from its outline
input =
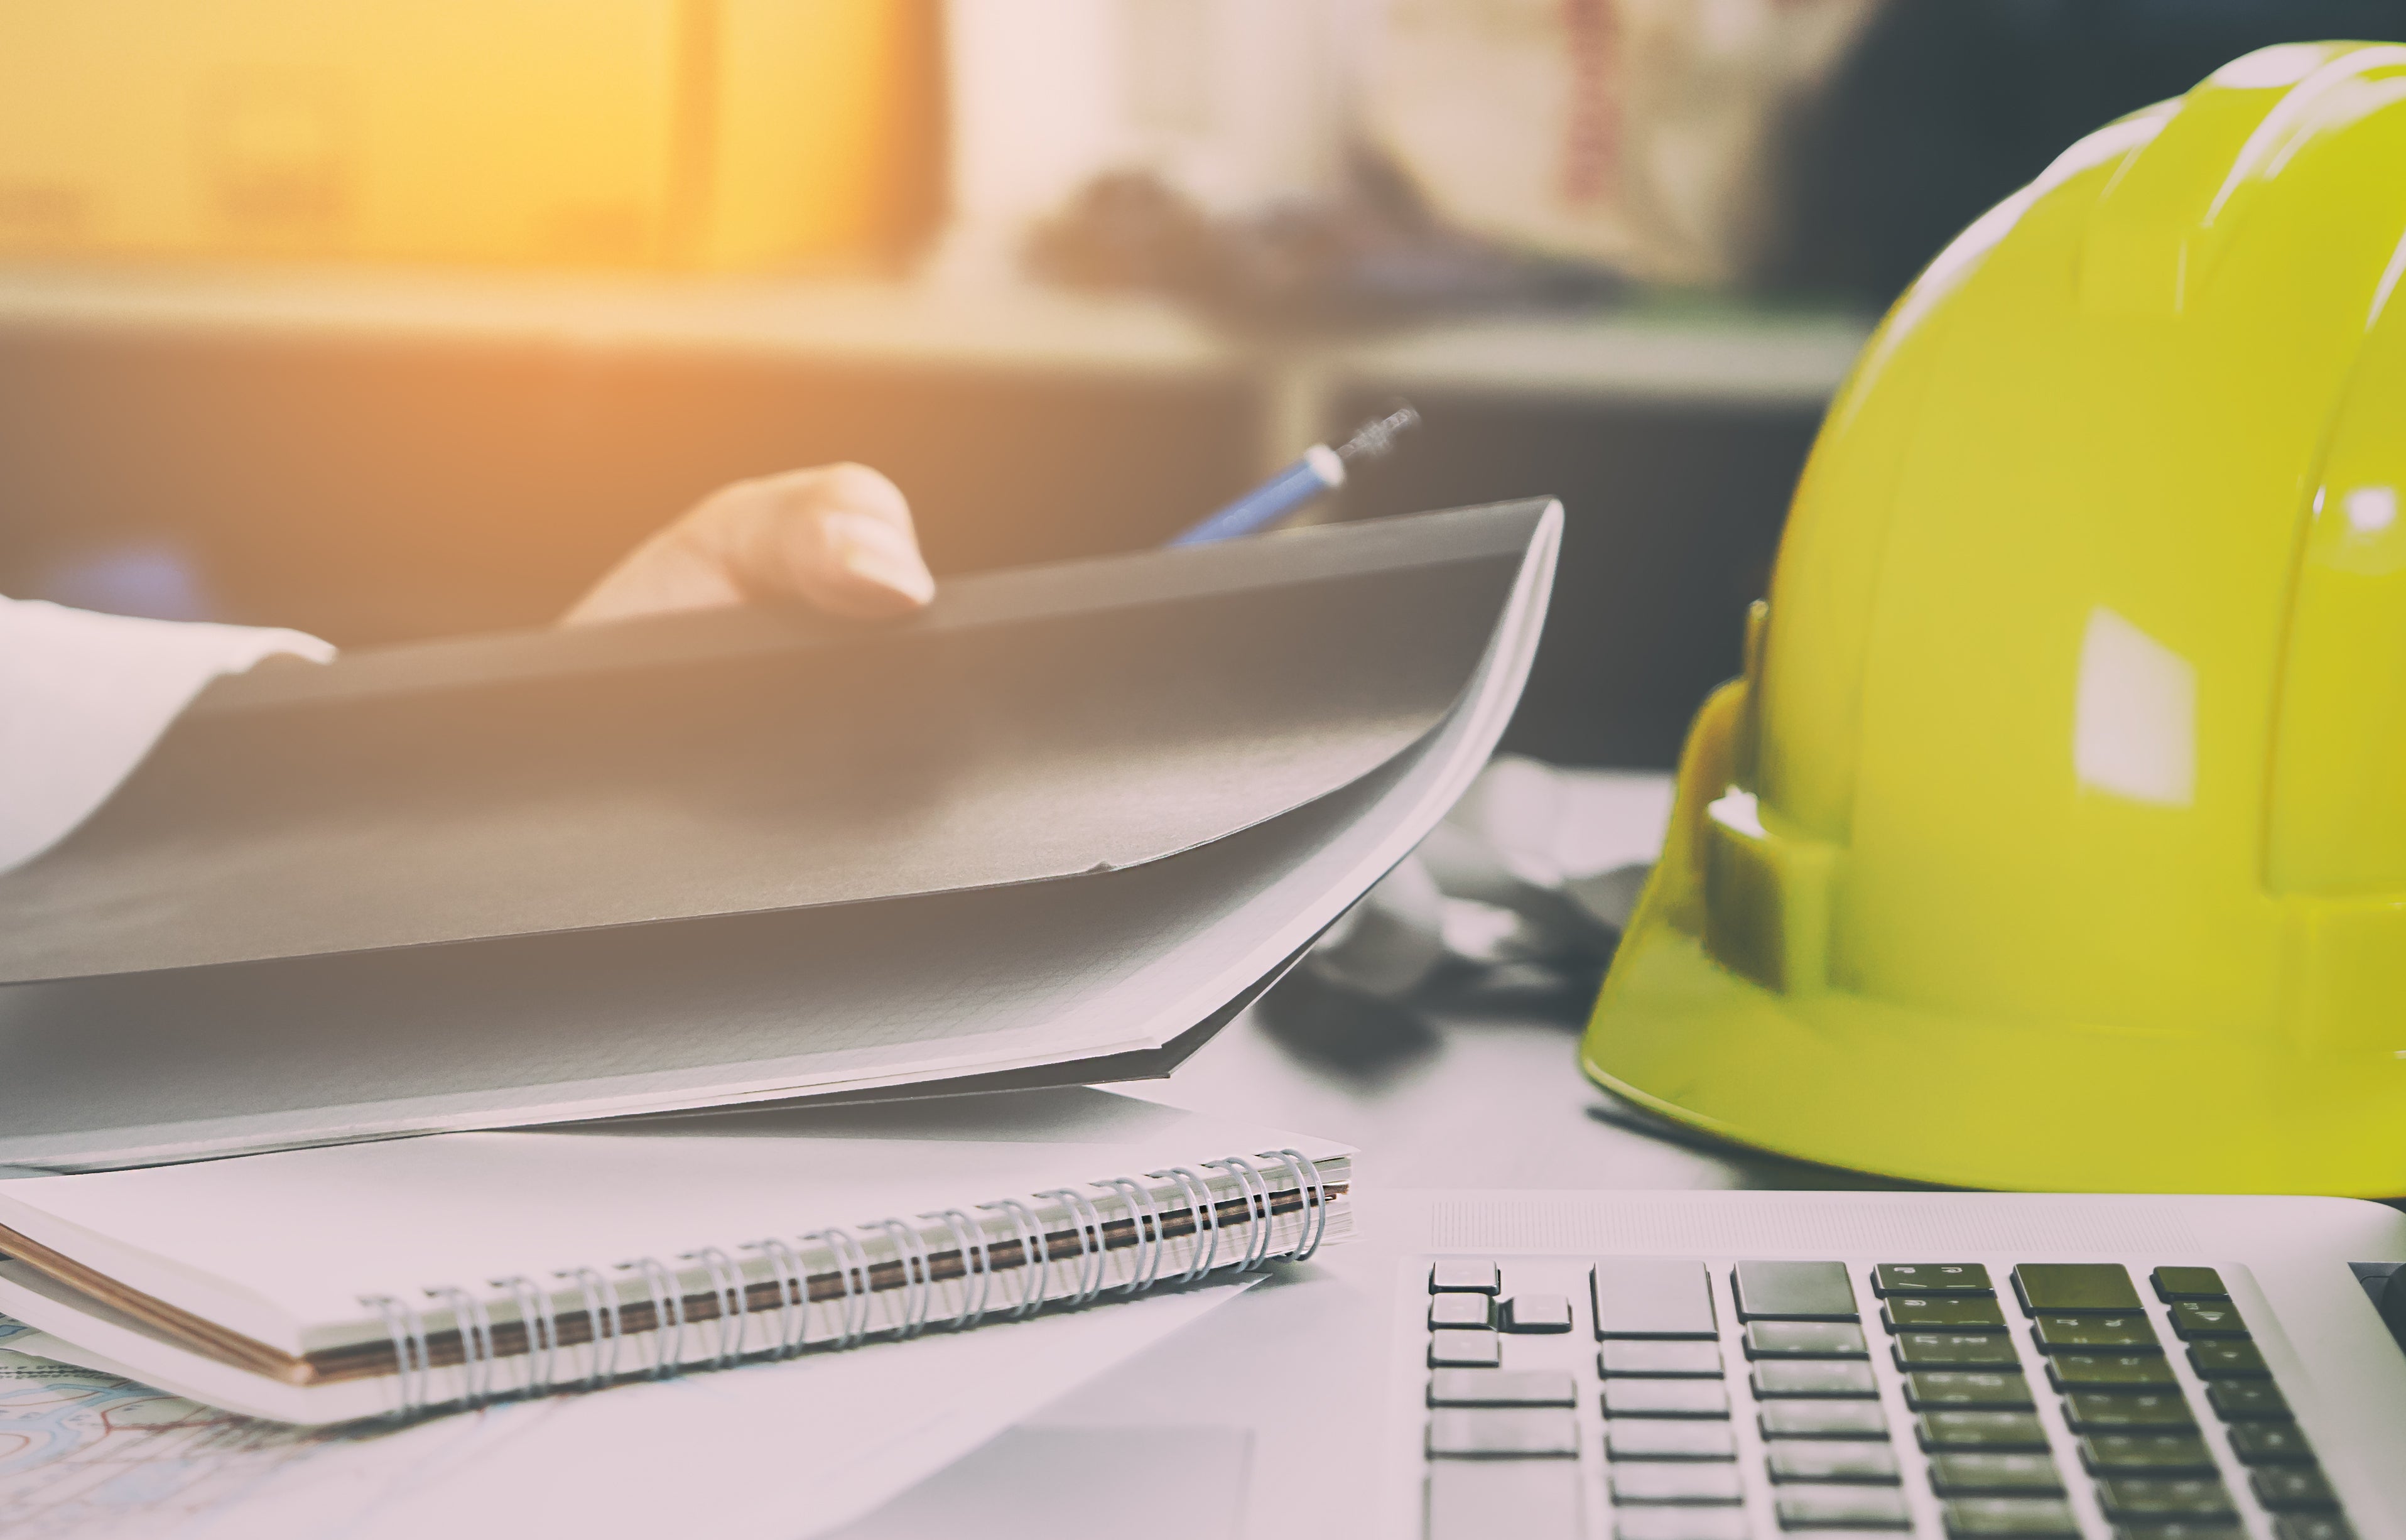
(386, 318)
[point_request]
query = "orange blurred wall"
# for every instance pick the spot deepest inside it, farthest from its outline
(705, 134)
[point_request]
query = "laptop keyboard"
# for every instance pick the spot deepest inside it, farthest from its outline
(1652, 1399)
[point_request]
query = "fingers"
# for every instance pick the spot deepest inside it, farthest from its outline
(837, 535)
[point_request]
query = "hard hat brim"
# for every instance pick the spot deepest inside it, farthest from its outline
(1838, 1078)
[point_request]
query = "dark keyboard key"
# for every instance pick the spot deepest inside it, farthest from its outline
(1675, 1481)
(1823, 1420)
(1994, 1475)
(2200, 1319)
(2248, 1401)
(2271, 1444)
(1641, 1297)
(2152, 1453)
(1931, 1277)
(1466, 1277)
(1461, 1312)
(2105, 1371)
(1666, 1398)
(1526, 1499)
(1983, 1430)
(2074, 1288)
(2118, 1411)
(1672, 1523)
(2127, 1499)
(1537, 1313)
(1968, 1516)
(1793, 1291)
(1838, 1507)
(2292, 1490)
(1918, 1314)
(2312, 1526)
(2087, 1334)
(2228, 1361)
(1502, 1433)
(1824, 1460)
(1952, 1351)
(1805, 1339)
(1464, 1350)
(2189, 1283)
(1503, 1388)
(2007, 1391)
(2181, 1528)
(1668, 1438)
(1778, 1377)
(1660, 1359)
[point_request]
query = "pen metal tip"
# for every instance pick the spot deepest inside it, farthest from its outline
(1378, 436)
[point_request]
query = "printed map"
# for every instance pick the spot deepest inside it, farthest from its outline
(85, 1454)
(779, 1451)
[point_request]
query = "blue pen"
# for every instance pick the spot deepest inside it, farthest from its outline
(1322, 468)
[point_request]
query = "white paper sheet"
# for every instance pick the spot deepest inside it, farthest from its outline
(1002, 979)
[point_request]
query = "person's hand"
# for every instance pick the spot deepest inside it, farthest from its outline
(838, 535)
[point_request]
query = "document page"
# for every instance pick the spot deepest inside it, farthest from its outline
(162, 1065)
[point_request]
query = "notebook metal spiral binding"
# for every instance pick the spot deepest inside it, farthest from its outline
(668, 1313)
(542, 1327)
(603, 1323)
(851, 1264)
(476, 1326)
(1141, 1214)
(1206, 1212)
(1313, 1195)
(727, 1293)
(1037, 1273)
(977, 1264)
(1090, 1228)
(911, 1250)
(407, 1330)
(792, 1281)
(1257, 1204)
(569, 1335)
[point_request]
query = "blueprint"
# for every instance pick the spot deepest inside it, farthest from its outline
(87, 1453)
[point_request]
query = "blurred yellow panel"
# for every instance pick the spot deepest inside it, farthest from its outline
(828, 110)
(546, 132)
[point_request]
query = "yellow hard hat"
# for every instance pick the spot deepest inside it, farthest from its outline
(2056, 835)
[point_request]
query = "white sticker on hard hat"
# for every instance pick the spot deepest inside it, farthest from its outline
(2134, 730)
(2371, 509)
(1737, 810)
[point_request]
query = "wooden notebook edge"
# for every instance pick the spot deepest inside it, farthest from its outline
(187, 1329)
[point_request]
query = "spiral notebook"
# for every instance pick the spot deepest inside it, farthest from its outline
(1057, 830)
(346, 1281)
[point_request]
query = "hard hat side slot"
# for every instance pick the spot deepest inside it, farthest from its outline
(1768, 909)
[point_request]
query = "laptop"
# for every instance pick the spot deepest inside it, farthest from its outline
(1978, 1366)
